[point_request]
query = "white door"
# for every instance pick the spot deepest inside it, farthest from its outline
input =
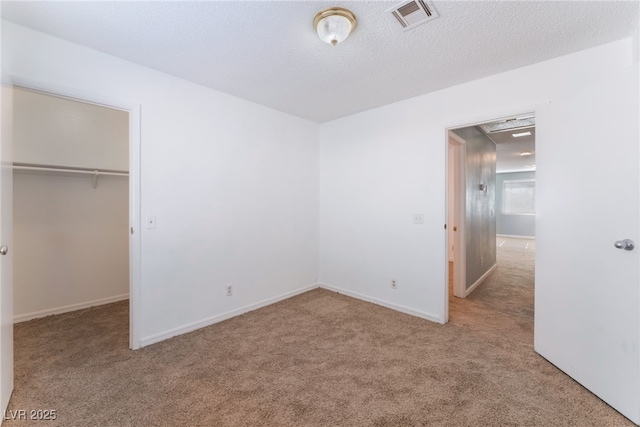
(457, 182)
(6, 261)
(587, 293)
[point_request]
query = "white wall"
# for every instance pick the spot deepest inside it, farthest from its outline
(379, 167)
(233, 185)
(71, 245)
(50, 130)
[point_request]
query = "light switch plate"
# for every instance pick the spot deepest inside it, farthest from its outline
(151, 222)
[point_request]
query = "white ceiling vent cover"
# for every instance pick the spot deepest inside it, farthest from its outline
(413, 13)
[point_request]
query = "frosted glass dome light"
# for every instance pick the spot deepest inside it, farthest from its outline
(334, 25)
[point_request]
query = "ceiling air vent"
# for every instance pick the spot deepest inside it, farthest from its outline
(413, 13)
(510, 125)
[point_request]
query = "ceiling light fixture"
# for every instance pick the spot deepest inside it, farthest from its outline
(518, 135)
(525, 153)
(334, 24)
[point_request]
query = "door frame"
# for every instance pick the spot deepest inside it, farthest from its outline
(134, 110)
(6, 271)
(476, 120)
(459, 214)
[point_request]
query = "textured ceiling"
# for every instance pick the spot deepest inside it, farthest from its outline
(268, 52)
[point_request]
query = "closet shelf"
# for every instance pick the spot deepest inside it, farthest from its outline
(70, 169)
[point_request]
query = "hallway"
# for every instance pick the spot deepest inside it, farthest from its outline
(503, 304)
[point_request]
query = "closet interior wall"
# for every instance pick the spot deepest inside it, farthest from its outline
(71, 237)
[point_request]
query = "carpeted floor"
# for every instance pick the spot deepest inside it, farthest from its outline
(318, 359)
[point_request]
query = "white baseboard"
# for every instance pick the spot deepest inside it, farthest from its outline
(190, 327)
(392, 306)
(67, 308)
(477, 283)
(513, 236)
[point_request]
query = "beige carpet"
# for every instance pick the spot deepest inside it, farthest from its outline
(503, 304)
(318, 359)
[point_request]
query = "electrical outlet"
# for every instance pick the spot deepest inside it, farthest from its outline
(394, 284)
(229, 290)
(418, 218)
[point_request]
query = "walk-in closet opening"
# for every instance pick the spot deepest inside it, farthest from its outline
(71, 210)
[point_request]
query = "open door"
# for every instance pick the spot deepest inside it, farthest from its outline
(587, 295)
(6, 232)
(458, 204)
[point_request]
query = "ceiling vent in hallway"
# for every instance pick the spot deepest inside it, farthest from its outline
(516, 123)
(413, 13)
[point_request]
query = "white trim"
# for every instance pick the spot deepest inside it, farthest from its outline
(517, 170)
(477, 283)
(190, 327)
(514, 236)
(67, 308)
(392, 306)
(135, 268)
(71, 93)
(135, 223)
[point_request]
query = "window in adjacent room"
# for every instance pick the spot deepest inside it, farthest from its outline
(519, 197)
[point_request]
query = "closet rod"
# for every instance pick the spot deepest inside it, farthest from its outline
(86, 171)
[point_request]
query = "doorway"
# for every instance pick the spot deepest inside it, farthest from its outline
(491, 218)
(70, 202)
(109, 177)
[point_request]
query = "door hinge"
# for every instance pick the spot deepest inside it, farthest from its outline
(445, 226)
(131, 230)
